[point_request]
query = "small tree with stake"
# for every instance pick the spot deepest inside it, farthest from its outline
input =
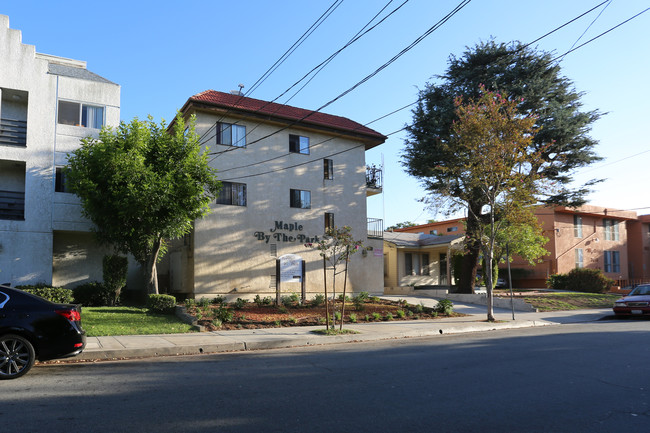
(336, 247)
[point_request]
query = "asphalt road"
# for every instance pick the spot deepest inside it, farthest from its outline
(591, 377)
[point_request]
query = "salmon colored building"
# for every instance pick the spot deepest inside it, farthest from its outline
(615, 241)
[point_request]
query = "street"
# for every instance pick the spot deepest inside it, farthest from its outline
(591, 377)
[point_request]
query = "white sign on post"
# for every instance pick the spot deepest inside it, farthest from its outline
(290, 268)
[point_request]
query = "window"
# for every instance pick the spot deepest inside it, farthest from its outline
(329, 220)
(452, 229)
(60, 181)
(300, 199)
(232, 193)
(299, 144)
(611, 230)
(612, 261)
(328, 169)
(577, 226)
(579, 258)
(230, 134)
(416, 264)
(433, 232)
(76, 114)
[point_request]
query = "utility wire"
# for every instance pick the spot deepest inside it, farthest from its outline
(436, 26)
(318, 67)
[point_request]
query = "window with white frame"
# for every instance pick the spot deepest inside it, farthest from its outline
(612, 261)
(416, 264)
(610, 227)
(77, 114)
(299, 198)
(232, 193)
(230, 134)
(452, 229)
(298, 144)
(577, 226)
(579, 258)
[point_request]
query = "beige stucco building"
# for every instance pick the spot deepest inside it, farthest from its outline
(48, 104)
(287, 173)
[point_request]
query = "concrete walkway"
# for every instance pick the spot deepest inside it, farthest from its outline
(133, 346)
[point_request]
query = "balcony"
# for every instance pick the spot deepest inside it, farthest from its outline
(375, 228)
(373, 180)
(12, 205)
(13, 132)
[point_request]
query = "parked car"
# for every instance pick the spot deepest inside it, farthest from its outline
(636, 303)
(34, 328)
(501, 282)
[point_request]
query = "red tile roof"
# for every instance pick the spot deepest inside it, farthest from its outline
(285, 112)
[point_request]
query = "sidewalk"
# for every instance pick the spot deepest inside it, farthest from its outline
(134, 346)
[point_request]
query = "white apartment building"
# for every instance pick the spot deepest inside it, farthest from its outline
(47, 105)
(287, 173)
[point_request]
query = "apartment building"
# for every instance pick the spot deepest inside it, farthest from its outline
(615, 241)
(287, 173)
(48, 104)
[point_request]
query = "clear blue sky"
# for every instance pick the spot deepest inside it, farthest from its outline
(162, 52)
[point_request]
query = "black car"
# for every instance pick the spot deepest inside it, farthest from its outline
(33, 328)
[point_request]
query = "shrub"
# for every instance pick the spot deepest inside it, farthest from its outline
(218, 300)
(353, 318)
(291, 300)
(161, 303)
(94, 295)
(401, 314)
(224, 314)
(318, 300)
(389, 316)
(267, 300)
(114, 271)
(189, 303)
(240, 303)
(445, 306)
(376, 316)
(203, 302)
(346, 298)
(258, 300)
(217, 323)
(581, 280)
(360, 300)
(337, 316)
(52, 294)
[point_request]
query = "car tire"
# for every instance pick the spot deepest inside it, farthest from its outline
(17, 356)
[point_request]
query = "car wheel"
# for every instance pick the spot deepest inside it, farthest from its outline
(17, 356)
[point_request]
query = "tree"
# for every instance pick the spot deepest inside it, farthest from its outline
(403, 225)
(533, 80)
(497, 169)
(336, 246)
(141, 185)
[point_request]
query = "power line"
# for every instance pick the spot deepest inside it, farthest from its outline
(295, 45)
(436, 26)
(318, 67)
(282, 58)
(402, 108)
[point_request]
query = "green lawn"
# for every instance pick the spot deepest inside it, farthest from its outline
(558, 301)
(103, 321)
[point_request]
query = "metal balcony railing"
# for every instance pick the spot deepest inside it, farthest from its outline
(13, 132)
(373, 177)
(375, 228)
(12, 205)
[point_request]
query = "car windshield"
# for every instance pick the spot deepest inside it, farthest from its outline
(641, 290)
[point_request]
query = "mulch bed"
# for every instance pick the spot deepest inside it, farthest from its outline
(252, 316)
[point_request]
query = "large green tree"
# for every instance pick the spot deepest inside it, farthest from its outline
(527, 76)
(142, 184)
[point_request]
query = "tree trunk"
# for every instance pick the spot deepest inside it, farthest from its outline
(345, 283)
(327, 305)
(150, 269)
